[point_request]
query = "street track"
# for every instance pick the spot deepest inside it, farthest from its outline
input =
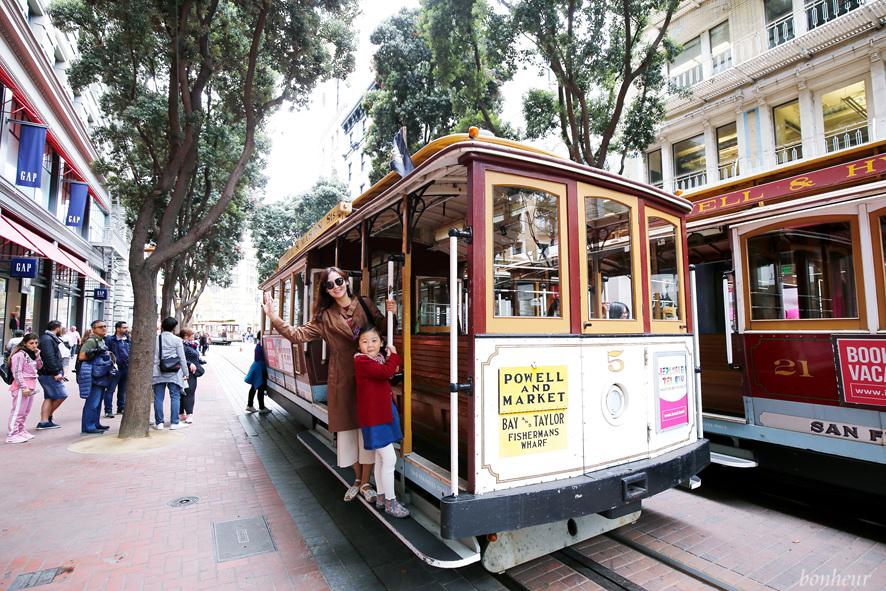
(607, 578)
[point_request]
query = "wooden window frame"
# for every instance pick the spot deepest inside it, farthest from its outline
(421, 328)
(821, 324)
(518, 324)
(639, 274)
(677, 325)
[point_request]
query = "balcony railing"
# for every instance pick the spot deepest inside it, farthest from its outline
(691, 180)
(823, 11)
(685, 79)
(847, 137)
(721, 62)
(788, 152)
(780, 31)
(727, 170)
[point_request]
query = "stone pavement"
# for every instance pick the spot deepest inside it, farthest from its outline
(103, 520)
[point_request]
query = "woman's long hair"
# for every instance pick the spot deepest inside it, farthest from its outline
(21, 345)
(324, 300)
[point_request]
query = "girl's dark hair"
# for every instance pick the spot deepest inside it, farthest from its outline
(371, 328)
(325, 301)
(28, 337)
(169, 323)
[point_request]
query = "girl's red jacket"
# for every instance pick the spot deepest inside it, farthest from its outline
(373, 389)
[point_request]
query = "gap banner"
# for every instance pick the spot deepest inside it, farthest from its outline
(32, 143)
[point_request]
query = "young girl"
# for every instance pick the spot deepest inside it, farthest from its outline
(24, 363)
(378, 417)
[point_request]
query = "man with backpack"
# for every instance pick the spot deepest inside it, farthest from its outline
(51, 375)
(118, 344)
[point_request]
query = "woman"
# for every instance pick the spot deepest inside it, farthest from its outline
(65, 350)
(257, 378)
(169, 347)
(195, 370)
(23, 364)
(337, 318)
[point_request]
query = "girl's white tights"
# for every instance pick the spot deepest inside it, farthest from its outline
(385, 462)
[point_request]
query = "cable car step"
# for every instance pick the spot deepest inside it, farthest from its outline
(414, 531)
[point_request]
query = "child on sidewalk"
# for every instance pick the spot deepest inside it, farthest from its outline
(23, 364)
(378, 417)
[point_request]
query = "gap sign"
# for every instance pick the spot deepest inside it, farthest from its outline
(100, 293)
(23, 267)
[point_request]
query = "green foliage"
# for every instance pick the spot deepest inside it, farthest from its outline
(276, 226)
(608, 70)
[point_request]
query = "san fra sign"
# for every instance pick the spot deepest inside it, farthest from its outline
(861, 369)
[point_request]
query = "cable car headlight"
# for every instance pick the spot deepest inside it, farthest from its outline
(615, 404)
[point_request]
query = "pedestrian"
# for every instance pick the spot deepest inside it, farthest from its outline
(15, 322)
(204, 342)
(93, 377)
(74, 339)
(195, 370)
(169, 350)
(257, 378)
(119, 344)
(15, 340)
(65, 349)
(379, 421)
(24, 364)
(51, 376)
(337, 318)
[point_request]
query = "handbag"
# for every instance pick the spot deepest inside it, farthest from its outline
(5, 372)
(167, 364)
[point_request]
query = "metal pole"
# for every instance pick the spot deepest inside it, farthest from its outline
(696, 365)
(453, 364)
(390, 315)
(728, 320)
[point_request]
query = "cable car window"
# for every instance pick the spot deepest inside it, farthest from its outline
(526, 262)
(297, 298)
(378, 284)
(287, 300)
(663, 269)
(610, 271)
(803, 272)
(433, 304)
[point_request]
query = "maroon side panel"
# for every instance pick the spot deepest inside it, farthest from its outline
(574, 237)
(477, 290)
(794, 367)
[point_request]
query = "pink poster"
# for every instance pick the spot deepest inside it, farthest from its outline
(673, 391)
(271, 352)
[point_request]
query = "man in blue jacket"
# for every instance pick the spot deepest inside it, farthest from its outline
(118, 344)
(93, 377)
(51, 375)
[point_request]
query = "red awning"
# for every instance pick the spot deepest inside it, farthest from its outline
(13, 235)
(50, 250)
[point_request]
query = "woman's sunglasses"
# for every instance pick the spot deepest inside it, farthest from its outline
(339, 281)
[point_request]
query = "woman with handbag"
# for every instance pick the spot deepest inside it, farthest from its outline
(170, 370)
(195, 370)
(338, 316)
(257, 378)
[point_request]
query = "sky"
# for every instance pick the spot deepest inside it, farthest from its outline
(294, 158)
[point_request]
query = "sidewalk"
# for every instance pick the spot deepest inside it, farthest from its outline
(104, 519)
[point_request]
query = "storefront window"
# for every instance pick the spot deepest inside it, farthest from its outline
(526, 261)
(727, 151)
(686, 69)
(690, 165)
(610, 263)
(788, 140)
(845, 116)
(653, 166)
(802, 272)
(663, 269)
(97, 222)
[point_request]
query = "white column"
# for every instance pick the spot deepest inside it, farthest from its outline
(767, 134)
(667, 165)
(799, 9)
(876, 97)
(808, 120)
(744, 164)
(711, 154)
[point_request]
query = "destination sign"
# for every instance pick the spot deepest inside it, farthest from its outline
(532, 405)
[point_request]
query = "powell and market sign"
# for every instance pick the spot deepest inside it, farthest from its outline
(795, 185)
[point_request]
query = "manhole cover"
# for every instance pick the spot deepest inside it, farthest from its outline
(27, 580)
(242, 537)
(183, 501)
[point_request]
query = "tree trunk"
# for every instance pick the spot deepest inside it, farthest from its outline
(139, 394)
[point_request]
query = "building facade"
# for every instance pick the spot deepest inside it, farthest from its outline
(56, 213)
(762, 84)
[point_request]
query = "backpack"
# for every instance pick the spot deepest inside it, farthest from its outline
(5, 372)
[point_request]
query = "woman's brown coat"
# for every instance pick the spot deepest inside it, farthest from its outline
(332, 327)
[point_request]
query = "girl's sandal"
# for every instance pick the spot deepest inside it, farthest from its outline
(395, 509)
(353, 491)
(368, 493)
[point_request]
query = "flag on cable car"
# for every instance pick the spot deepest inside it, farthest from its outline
(401, 163)
(77, 204)
(31, 145)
